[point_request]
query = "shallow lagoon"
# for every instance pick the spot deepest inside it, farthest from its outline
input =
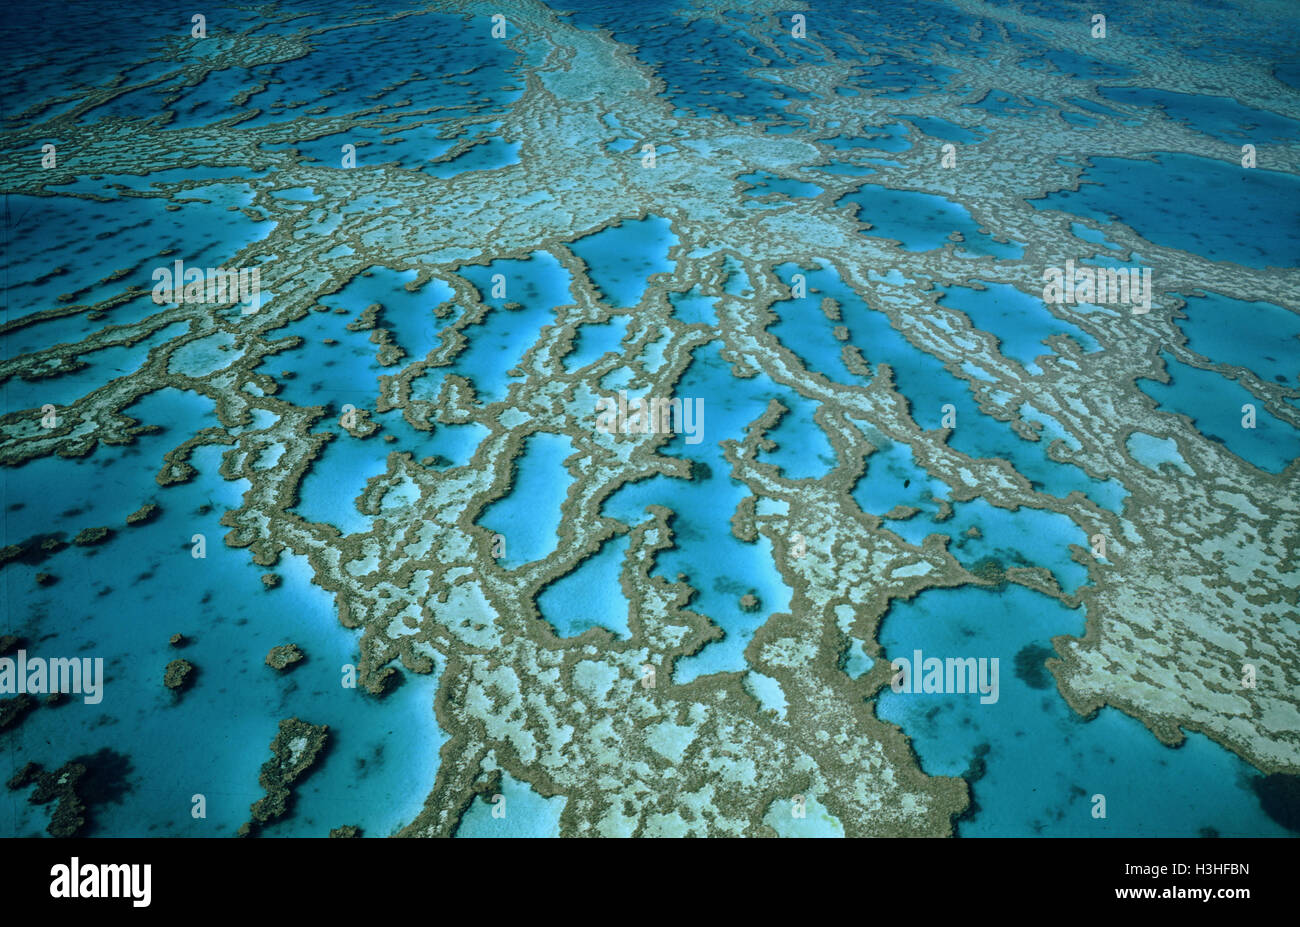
(130, 594)
(1034, 763)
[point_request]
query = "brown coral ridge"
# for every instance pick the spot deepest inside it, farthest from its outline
(384, 681)
(294, 751)
(1096, 665)
(143, 515)
(179, 675)
(34, 550)
(89, 537)
(13, 710)
(69, 814)
(488, 784)
(284, 657)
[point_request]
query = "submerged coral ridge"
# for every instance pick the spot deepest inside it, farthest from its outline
(475, 250)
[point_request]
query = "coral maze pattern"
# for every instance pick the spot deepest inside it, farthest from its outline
(366, 514)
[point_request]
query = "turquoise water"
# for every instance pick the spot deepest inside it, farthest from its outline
(1259, 336)
(339, 474)
(622, 258)
(540, 280)
(591, 596)
(1020, 321)
(524, 813)
(1270, 445)
(1216, 116)
(802, 327)
(883, 487)
(694, 308)
(486, 155)
(923, 221)
(719, 567)
(1006, 104)
(99, 368)
(1175, 200)
(130, 594)
(528, 517)
(891, 137)
(345, 373)
(1025, 537)
(803, 451)
(764, 183)
(594, 341)
(949, 132)
(1040, 780)
(134, 235)
(923, 379)
(529, 291)
(1072, 63)
(708, 67)
(408, 315)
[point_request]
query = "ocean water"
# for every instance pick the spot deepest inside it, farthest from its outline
(804, 328)
(152, 751)
(924, 221)
(1041, 780)
(1172, 199)
(519, 298)
(720, 568)
(482, 182)
(622, 257)
(528, 516)
(591, 596)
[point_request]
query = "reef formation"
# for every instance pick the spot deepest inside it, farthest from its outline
(1194, 577)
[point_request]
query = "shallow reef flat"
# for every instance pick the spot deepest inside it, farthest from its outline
(326, 334)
